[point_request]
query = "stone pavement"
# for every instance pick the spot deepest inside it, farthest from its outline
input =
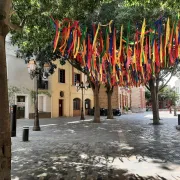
(128, 147)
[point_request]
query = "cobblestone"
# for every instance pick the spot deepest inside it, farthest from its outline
(113, 149)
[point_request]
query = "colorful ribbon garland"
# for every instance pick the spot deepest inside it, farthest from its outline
(131, 63)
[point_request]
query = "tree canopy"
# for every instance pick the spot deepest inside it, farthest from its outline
(165, 94)
(37, 31)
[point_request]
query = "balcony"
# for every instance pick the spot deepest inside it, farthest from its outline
(42, 84)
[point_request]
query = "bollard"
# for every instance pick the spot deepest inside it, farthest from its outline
(178, 119)
(13, 120)
(25, 134)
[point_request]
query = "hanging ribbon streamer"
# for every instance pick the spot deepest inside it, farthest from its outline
(131, 63)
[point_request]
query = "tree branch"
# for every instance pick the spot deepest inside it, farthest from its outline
(163, 86)
(173, 72)
(76, 66)
(147, 87)
(15, 26)
(164, 75)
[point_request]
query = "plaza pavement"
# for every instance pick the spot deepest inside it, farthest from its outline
(68, 149)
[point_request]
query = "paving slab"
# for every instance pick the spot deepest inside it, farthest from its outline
(127, 147)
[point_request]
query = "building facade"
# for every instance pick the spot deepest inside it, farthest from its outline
(65, 100)
(125, 99)
(177, 89)
(21, 87)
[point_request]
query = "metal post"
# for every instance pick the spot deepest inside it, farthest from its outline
(36, 126)
(178, 119)
(175, 114)
(82, 109)
(13, 121)
(25, 136)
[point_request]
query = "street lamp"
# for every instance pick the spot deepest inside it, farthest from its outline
(35, 71)
(82, 86)
(175, 114)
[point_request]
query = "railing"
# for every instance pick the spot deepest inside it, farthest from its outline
(43, 85)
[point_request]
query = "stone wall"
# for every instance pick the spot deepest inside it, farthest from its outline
(103, 98)
(136, 100)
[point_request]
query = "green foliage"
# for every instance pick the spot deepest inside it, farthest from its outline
(173, 5)
(33, 94)
(147, 95)
(12, 90)
(126, 108)
(62, 61)
(38, 31)
(168, 94)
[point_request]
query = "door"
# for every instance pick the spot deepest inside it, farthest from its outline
(60, 107)
(20, 112)
(20, 107)
(87, 106)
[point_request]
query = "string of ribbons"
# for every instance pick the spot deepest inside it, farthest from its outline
(110, 57)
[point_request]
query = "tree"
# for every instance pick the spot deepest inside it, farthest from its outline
(11, 94)
(151, 10)
(156, 85)
(109, 91)
(135, 11)
(152, 64)
(121, 13)
(38, 32)
(5, 140)
(169, 94)
(95, 85)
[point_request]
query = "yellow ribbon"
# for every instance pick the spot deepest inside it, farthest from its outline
(142, 40)
(95, 37)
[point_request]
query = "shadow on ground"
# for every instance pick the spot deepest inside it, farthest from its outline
(124, 148)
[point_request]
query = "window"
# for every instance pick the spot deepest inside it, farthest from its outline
(76, 104)
(87, 104)
(20, 98)
(42, 84)
(77, 77)
(61, 75)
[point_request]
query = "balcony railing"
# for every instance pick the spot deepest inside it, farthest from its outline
(43, 84)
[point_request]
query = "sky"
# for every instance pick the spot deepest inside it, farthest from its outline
(172, 81)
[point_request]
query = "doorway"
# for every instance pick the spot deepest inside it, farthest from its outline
(87, 106)
(20, 107)
(20, 112)
(76, 107)
(60, 107)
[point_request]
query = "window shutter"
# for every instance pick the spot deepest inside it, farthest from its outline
(73, 76)
(64, 76)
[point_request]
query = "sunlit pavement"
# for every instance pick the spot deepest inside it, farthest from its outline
(71, 149)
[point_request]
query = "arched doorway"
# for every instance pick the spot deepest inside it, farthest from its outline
(76, 107)
(87, 105)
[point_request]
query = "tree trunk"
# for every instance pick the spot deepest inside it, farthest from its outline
(109, 96)
(96, 103)
(155, 106)
(5, 139)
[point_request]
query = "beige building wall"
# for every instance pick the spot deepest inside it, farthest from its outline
(69, 90)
